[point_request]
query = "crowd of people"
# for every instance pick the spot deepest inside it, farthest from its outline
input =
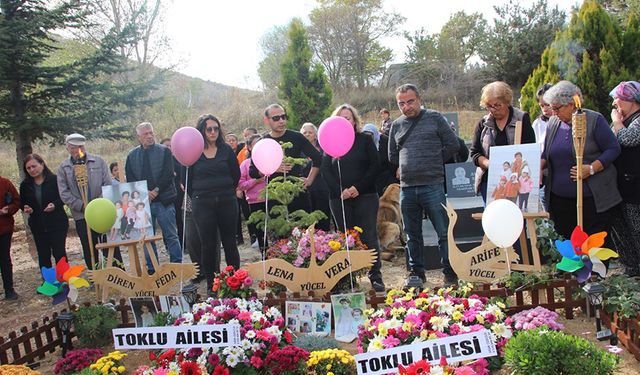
(224, 184)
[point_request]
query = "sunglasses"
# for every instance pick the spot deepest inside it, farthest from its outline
(279, 117)
(212, 129)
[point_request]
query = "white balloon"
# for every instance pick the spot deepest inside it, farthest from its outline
(502, 222)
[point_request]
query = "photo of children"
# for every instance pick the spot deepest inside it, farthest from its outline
(347, 309)
(513, 172)
(174, 305)
(308, 317)
(133, 213)
(144, 310)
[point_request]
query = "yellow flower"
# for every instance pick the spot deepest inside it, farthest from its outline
(121, 369)
(334, 245)
(358, 229)
(344, 360)
(457, 315)
(480, 318)
(329, 373)
(328, 366)
(500, 305)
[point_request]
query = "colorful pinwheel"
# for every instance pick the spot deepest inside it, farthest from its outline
(583, 254)
(62, 282)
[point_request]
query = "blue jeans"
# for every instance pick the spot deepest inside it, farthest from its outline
(165, 216)
(414, 202)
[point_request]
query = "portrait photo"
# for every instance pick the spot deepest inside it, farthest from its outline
(174, 305)
(460, 179)
(144, 310)
(133, 213)
(348, 311)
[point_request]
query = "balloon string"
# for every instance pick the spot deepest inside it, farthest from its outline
(263, 250)
(184, 225)
(506, 251)
(344, 221)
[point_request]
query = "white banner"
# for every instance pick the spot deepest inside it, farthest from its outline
(198, 336)
(468, 346)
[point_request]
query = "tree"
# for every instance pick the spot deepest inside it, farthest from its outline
(305, 89)
(591, 53)
(274, 44)
(623, 9)
(39, 99)
(345, 36)
(514, 44)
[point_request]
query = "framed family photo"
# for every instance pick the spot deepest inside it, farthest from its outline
(514, 174)
(133, 213)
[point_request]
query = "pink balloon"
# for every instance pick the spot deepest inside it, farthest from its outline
(187, 145)
(267, 156)
(336, 136)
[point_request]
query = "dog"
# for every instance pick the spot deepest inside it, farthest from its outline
(389, 222)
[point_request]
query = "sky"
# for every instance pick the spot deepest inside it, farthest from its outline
(218, 40)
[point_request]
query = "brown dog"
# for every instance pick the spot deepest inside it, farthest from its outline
(389, 221)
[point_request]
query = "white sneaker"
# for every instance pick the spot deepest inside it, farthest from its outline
(255, 244)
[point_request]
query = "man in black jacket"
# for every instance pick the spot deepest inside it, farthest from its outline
(152, 162)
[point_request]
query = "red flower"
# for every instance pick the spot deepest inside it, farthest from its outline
(233, 283)
(443, 361)
(220, 370)
(228, 268)
(241, 274)
(256, 362)
(189, 368)
(216, 285)
(420, 367)
(287, 337)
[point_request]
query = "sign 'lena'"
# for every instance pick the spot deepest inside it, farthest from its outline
(317, 278)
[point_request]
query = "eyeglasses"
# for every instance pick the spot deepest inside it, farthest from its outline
(556, 108)
(494, 107)
(544, 105)
(212, 129)
(277, 118)
(409, 102)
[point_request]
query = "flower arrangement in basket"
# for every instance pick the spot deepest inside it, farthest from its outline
(296, 249)
(232, 283)
(262, 331)
(412, 316)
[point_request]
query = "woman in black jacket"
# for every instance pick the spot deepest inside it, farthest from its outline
(41, 201)
(359, 168)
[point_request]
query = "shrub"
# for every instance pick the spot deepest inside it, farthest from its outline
(93, 325)
(76, 360)
(541, 351)
(315, 343)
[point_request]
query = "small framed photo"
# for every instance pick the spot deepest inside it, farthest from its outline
(514, 174)
(144, 310)
(348, 310)
(312, 318)
(174, 305)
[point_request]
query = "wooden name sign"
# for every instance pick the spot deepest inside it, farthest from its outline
(166, 276)
(485, 263)
(315, 278)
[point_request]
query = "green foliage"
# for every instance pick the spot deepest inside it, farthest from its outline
(315, 343)
(519, 35)
(274, 44)
(541, 351)
(594, 52)
(93, 325)
(162, 319)
(547, 236)
(304, 88)
(522, 280)
(622, 295)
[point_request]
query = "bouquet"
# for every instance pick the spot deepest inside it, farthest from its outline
(233, 283)
(296, 249)
(411, 317)
(534, 318)
(262, 331)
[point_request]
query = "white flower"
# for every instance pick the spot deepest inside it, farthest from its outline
(245, 344)
(446, 307)
(174, 366)
(473, 302)
(393, 323)
(375, 344)
(501, 330)
(232, 361)
(495, 310)
(413, 311)
(250, 334)
(436, 370)
(274, 330)
(256, 316)
(256, 346)
(439, 323)
(274, 312)
(242, 304)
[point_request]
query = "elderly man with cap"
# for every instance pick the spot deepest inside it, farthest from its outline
(97, 177)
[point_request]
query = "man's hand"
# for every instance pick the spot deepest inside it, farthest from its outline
(354, 192)
(346, 194)
(50, 207)
(152, 195)
(27, 209)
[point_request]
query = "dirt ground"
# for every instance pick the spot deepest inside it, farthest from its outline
(33, 307)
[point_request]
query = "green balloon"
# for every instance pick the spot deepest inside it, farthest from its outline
(100, 214)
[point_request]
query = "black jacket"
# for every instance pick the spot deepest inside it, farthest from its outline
(40, 221)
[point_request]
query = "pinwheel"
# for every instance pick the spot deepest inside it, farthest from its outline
(62, 281)
(583, 254)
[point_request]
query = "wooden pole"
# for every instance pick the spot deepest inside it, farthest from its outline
(579, 131)
(82, 179)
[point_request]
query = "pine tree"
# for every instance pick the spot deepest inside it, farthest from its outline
(305, 90)
(593, 52)
(49, 98)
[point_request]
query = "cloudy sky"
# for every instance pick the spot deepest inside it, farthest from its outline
(217, 40)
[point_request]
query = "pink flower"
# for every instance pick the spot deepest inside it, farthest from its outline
(390, 342)
(263, 335)
(256, 362)
(161, 371)
(248, 281)
(464, 370)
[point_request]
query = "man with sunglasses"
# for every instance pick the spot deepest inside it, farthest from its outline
(276, 119)
(154, 163)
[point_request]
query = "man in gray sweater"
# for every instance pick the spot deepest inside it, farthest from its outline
(419, 143)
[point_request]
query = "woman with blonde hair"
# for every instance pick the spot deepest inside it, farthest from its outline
(497, 128)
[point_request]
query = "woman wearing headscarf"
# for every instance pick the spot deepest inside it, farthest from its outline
(599, 190)
(352, 188)
(626, 127)
(497, 128)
